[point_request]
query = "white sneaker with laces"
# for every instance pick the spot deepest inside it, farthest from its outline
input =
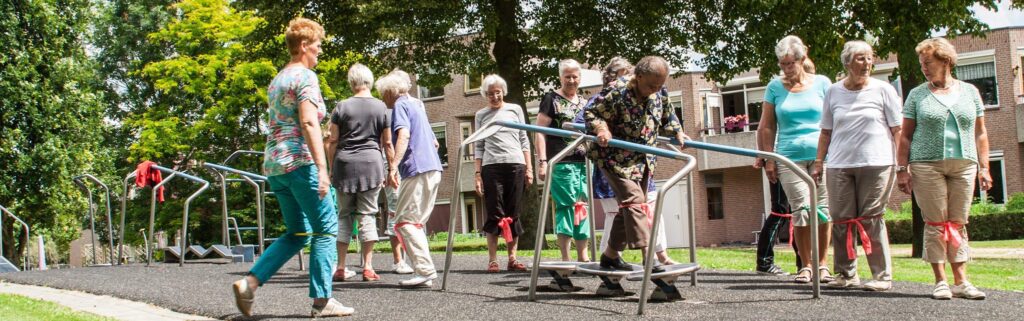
(941, 291)
(419, 280)
(401, 268)
(968, 291)
(333, 308)
(843, 282)
(878, 285)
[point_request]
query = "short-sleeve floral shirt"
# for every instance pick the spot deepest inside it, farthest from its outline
(633, 119)
(286, 148)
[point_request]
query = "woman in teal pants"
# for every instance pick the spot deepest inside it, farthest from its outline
(296, 169)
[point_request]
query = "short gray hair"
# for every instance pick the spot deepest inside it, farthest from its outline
(397, 82)
(492, 80)
(611, 70)
(359, 76)
(852, 48)
(791, 46)
(567, 65)
(651, 65)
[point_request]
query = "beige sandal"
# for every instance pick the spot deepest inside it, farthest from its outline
(801, 277)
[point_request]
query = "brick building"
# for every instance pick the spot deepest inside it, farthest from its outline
(729, 195)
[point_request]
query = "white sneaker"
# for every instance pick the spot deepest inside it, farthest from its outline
(878, 285)
(401, 268)
(333, 308)
(968, 291)
(941, 291)
(419, 280)
(842, 282)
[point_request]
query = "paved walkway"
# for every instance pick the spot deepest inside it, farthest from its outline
(204, 289)
(102, 305)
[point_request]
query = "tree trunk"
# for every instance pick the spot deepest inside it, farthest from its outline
(509, 58)
(910, 77)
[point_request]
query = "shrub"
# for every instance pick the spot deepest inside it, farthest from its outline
(1007, 225)
(1016, 202)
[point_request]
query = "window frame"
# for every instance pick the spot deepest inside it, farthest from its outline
(719, 185)
(424, 91)
(463, 124)
(465, 85)
(980, 57)
(746, 85)
(442, 141)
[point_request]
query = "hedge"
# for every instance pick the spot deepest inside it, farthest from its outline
(987, 227)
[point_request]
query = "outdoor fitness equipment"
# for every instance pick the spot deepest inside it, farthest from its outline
(80, 181)
(816, 284)
(5, 265)
(181, 250)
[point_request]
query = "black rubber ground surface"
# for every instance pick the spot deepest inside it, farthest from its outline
(204, 289)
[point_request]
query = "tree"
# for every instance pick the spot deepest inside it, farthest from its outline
(51, 116)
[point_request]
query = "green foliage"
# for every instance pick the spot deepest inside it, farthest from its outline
(24, 308)
(904, 212)
(1016, 202)
(51, 116)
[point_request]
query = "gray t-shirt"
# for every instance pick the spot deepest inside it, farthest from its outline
(508, 144)
(358, 165)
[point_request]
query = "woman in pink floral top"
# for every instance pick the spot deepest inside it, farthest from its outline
(296, 169)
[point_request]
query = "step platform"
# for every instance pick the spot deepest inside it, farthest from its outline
(173, 254)
(7, 266)
(666, 289)
(561, 271)
(611, 284)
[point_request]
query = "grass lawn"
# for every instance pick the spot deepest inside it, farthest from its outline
(1003, 274)
(16, 307)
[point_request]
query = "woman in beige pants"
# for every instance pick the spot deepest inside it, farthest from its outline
(945, 143)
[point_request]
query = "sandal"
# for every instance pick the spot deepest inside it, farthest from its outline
(370, 276)
(493, 267)
(515, 265)
(825, 275)
(801, 277)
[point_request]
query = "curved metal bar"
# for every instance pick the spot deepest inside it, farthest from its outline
(28, 235)
(455, 207)
(237, 153)
(691, 163)
(590, 208)
(110, 220)
(815, 280)
(152, 215)
(91, 211)
(124, 206)
(251, 175)
(184, 220)
(259, 215)
(691, 218)
(542, 218)
(247, 177)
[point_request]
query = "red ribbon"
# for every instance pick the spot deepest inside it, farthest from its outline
(643, 207)
(505, 223)
(580, 212)
(949, 228)
(146, 175)
(865, 241)
(399, 234)
(790, 225)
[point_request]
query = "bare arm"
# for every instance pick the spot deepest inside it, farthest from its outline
(542, 153)
(767, 128)
(824, 140)
(903, 154)
(981, 140)
(387, 146)
(401, 146)
(332, 144)
(310, 125)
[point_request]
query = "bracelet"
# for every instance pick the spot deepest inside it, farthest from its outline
(543, 161)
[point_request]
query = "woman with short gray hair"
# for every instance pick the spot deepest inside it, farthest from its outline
(789, 126)
(503, 170)
(359, 125)
(860, 122)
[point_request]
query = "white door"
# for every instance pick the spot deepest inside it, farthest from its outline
(676, 221)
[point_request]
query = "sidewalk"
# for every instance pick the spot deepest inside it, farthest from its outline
(101, 305)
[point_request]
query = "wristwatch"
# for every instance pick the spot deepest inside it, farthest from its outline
(902, 169)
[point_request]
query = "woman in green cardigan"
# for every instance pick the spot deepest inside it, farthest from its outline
(945, 143)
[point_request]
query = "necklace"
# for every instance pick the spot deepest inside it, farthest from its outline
(949, 84)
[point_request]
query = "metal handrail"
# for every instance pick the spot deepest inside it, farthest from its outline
(152, 208)
(812, 186)
(92, 222)
(237, 153)
(28, 235)
(251, 179)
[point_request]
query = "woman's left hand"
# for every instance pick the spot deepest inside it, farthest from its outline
(529, 176)
(816, 170)
(985, 179)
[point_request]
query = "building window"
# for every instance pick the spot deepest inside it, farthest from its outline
(997, 194)
(675, 99)
(716, 203)
(466, 129)
(472, 83)
(441, 132)
(739, 100)
(983, 76)
(426, 93)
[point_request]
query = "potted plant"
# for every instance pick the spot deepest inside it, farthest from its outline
(736, 123)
